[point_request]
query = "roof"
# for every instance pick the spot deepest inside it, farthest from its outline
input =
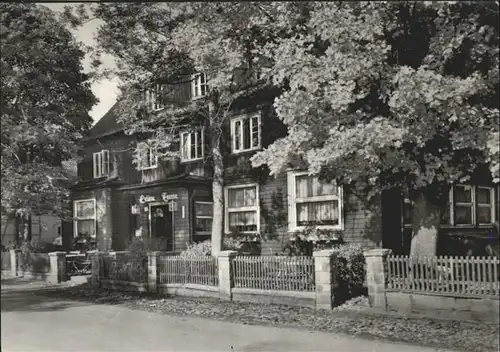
(107, 125)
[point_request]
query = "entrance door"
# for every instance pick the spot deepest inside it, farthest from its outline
(161, 225)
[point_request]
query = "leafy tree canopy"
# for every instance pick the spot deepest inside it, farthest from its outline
(45, 102)
(389, 94)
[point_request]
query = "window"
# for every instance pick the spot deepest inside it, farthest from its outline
(467, 205)
(154, 97)
(245, 133)
(148, 159)
(313, 202)
(101, 164)
(199, 85)
(192, 145)
(242, 208)
(204, 215)
(84, 218)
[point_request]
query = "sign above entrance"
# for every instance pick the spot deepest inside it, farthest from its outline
(168, 197)
(146, 199)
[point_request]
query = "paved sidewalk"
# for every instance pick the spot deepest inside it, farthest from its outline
(32, 322)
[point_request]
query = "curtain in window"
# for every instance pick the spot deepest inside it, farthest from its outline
(319, 213)
(242, 197)
(309, 186)
(85, 227)
(243, 221)
(85, 209)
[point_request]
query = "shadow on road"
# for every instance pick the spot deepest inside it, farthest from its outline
(31, 301)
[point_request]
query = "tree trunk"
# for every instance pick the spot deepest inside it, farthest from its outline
(426, 222)
(17, 230)
(217, 181)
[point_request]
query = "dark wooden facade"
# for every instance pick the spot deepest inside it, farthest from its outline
(131, 202)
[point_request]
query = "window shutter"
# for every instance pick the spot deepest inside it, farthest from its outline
(96, 165)
(105, 163)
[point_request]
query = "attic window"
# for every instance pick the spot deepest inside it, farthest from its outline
(148, 159)
(199, 85)
(154, 98)
(101, 163)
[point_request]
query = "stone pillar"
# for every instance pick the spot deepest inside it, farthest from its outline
(13, 261)
(57, 271)
(376, 276)
(324, 273)
(97, 269)
(153, 278)
(225, 259)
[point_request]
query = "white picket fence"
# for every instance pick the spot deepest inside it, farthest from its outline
(457, 276)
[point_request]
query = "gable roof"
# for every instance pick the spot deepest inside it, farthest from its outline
(107, 125)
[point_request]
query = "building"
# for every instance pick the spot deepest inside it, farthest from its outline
(116, 200)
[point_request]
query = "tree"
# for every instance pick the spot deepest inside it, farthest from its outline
(169, 42)
(381, 95)
(45, 102)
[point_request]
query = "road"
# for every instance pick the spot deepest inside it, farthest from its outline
(31, 322)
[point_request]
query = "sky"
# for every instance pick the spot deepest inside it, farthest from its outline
(105, 90)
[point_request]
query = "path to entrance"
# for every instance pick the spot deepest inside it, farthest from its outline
(32, 322)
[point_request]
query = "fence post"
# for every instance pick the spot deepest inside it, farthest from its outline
(153, 271)
(96, 269)
(376, 276)
(225, 259)
(324, 273)
(13, 261)
(57, 271)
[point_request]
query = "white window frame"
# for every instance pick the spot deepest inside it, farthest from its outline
(196, 85)
(152, 100)
(100, 167)
(153, 160)
(183, 157)
(491, 205)
(76, 218)
(202, 217)
(255, 207)
(239, 149)
(474, 203)
(452, 204)
(293, 201)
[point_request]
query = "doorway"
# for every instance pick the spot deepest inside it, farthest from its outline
(162, 226)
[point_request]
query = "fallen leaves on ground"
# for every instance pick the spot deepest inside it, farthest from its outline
(456, 335)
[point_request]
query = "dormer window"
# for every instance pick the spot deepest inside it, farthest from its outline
(101, 163)
(192, 145)
(199, 85)
(148, 159)
(154, 98)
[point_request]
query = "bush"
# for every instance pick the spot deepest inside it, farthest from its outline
(350, 272)
(205, 248)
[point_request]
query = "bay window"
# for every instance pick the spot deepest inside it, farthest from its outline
(192, 145)
(101, 163)
(246, 133)
(203, 217)
(242, 208)
(313, 202)
(84, 218)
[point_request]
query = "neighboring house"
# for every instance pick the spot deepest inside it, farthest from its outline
(44, 228)
(116, 200)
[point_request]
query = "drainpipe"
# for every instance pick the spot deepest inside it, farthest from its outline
(190, 217)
